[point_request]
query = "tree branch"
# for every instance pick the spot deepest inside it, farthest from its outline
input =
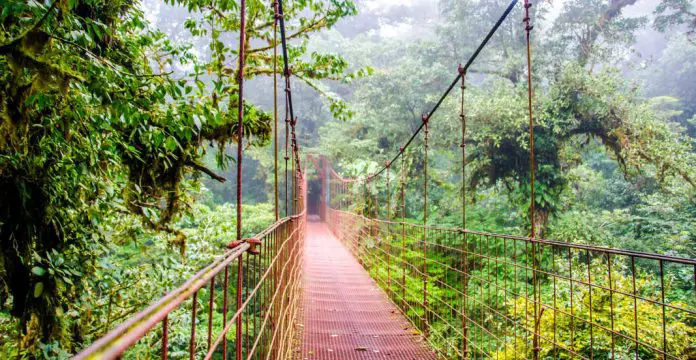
(314, 25)
(205, 170)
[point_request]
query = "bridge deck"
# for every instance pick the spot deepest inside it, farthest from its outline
(345, 313)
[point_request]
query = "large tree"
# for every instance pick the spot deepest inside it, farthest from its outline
(579, 97)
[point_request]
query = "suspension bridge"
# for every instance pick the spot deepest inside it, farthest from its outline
(356, 279)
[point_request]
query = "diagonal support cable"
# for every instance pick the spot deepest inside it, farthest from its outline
(456, 80)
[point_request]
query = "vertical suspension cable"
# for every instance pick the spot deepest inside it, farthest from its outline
(535, 256)
(465, 280)
(275, 109)
(293, 175)
(287, 144)
(375, 200)
(240, 147)
(403, 226)
(462, 118)
(364, 199)
(388, 194)
(368, 197)
(370, 206)
(425, 224)
(289, 115)
(288, 93)
(532, 205)
(286, 67)
(295, 167)
(389, 238)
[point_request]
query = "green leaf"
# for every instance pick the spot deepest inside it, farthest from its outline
(38, 271)
(38, 289)
(170, 144)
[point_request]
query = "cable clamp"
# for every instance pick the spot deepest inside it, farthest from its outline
(461, 70)
(253, 245)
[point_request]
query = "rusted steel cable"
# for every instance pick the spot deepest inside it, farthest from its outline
(462, 119)
(465, 280)
(425, 223)
(389, 234)
(372, 210)
(287, 72)
(532, 172)
(286, 68)
(293, 145)
(240, 148)
(388, 195)
(538, 309)
(287, 157)
(403, 226)
(275, 109)
(375, 199)
(240, 115)
(289, 114)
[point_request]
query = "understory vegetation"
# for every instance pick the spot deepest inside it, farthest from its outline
(498, 296)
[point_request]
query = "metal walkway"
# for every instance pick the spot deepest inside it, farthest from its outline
(345, 313)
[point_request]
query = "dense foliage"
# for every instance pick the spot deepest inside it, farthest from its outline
(110, 124)
(613, 132)
(499, 294)
(103, 117)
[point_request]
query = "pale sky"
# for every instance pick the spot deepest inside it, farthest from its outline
(421, 14)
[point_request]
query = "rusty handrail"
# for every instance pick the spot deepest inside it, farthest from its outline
(614, 251)
(126, 334)
(594, 300)
(280, 251)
